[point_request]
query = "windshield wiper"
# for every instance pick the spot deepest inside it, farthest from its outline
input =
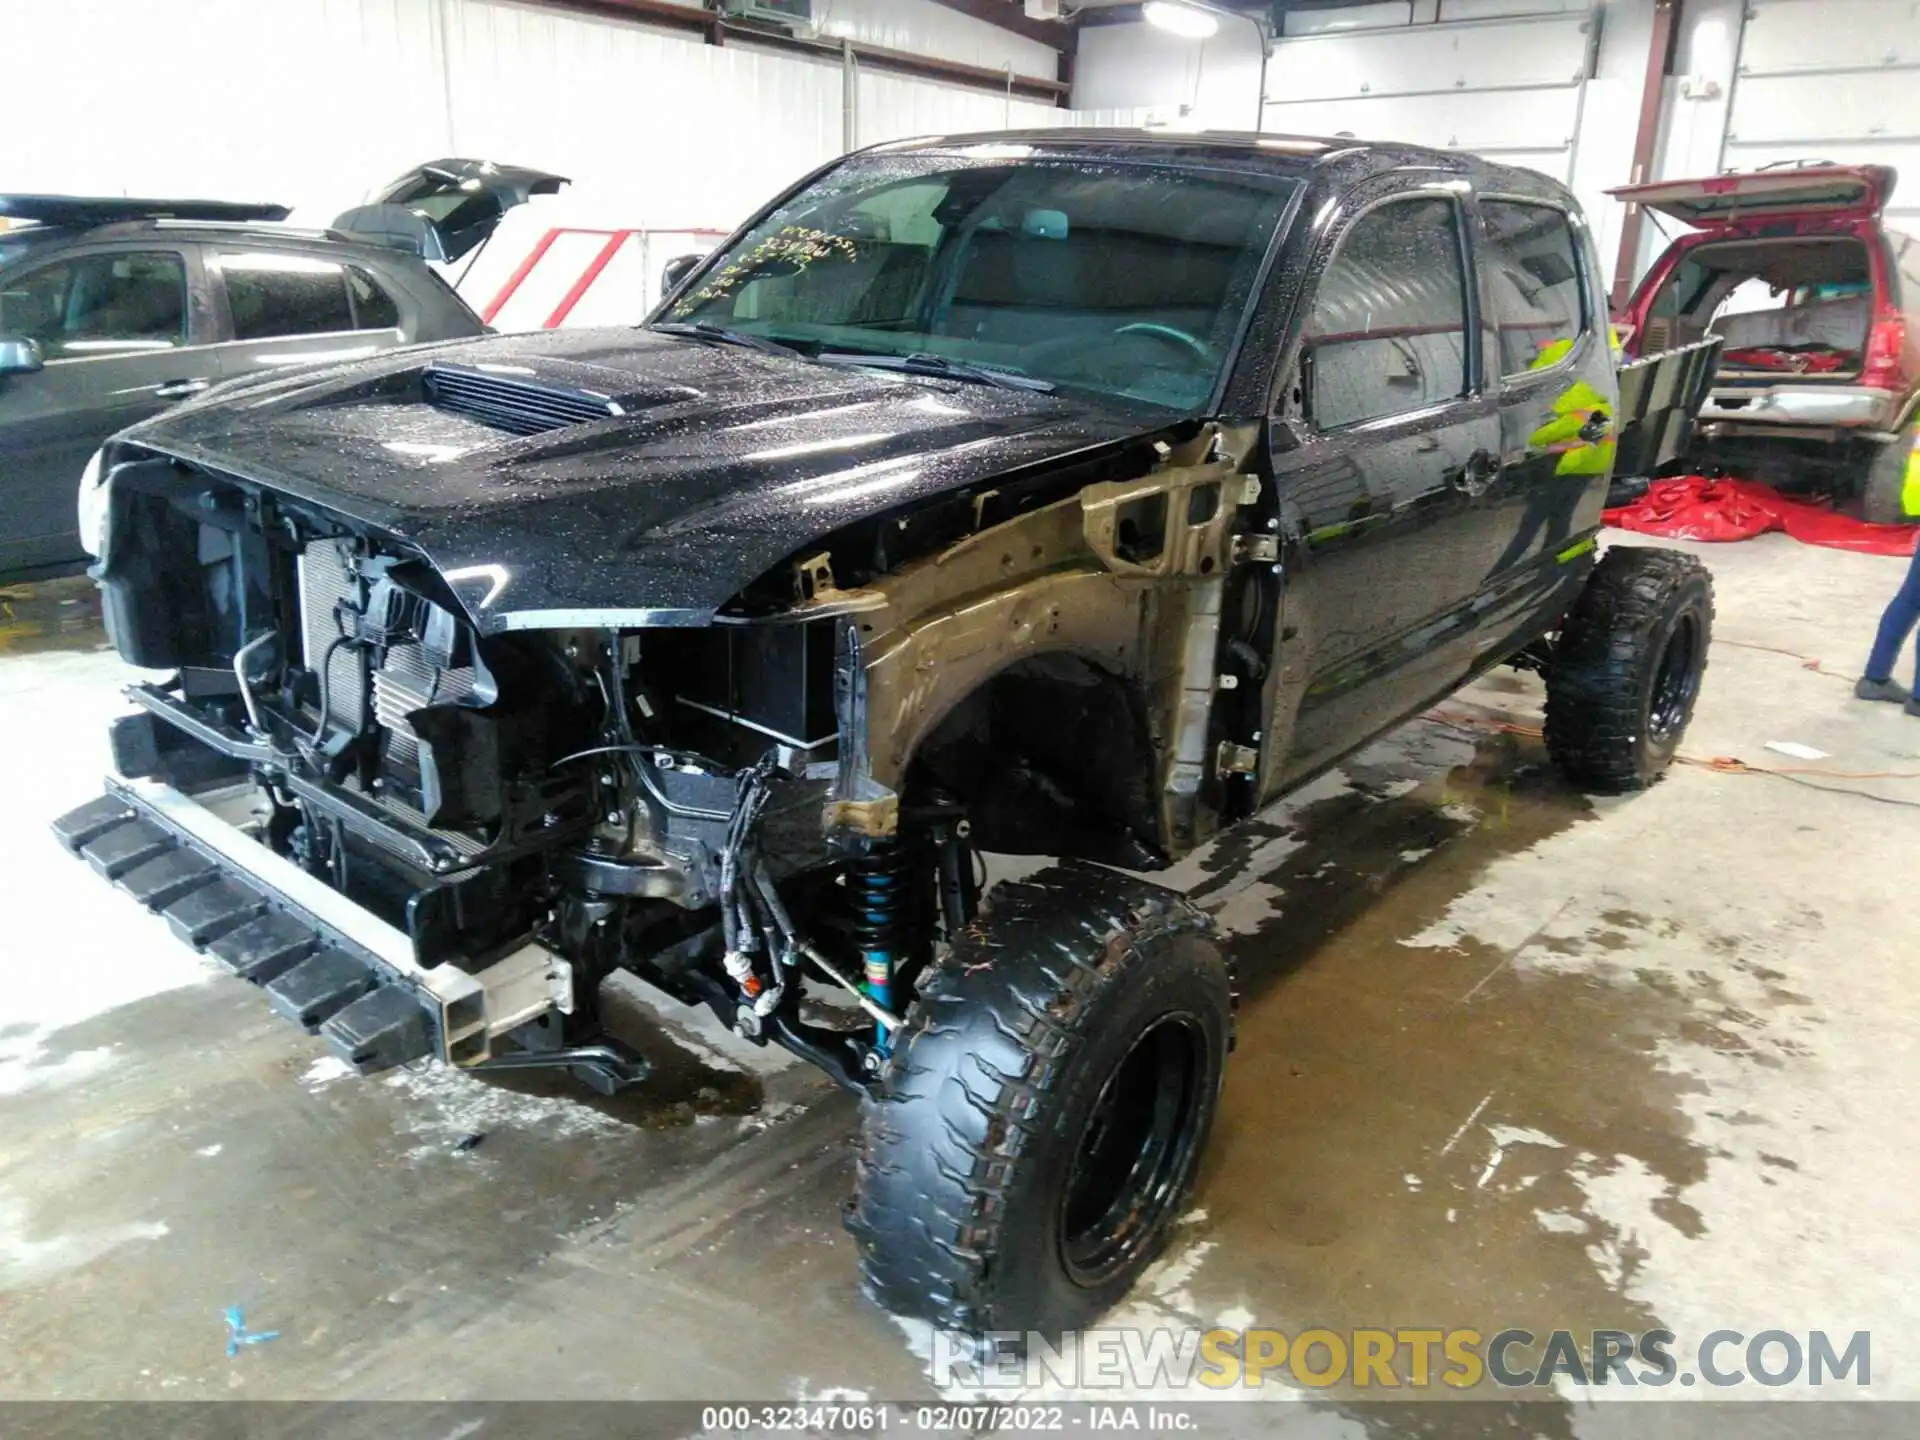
(921, 363)
(706, 330)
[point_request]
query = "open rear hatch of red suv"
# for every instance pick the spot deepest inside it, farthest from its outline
(1784, 266)
(1806, 192)
(1793, 273)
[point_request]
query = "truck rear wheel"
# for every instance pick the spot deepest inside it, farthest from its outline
(1627, 668)
(1886, 496)
(1037, 1130)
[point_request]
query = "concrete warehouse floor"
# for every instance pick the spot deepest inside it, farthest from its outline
(1507, 1057)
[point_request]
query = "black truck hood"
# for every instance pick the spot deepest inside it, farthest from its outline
(723, 462)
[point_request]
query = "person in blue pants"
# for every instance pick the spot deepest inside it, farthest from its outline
(1895, 625)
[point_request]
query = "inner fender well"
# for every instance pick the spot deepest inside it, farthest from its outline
(1082, 632)
(920, 672)
(1050, 755)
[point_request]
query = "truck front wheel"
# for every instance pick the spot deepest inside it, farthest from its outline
(1627, 667)
(1037, 1129)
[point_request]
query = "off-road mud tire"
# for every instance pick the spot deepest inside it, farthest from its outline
(1883, 479)
(1627, 668)
(967, 1146)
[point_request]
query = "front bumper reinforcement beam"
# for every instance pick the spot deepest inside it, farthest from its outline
(327, 964)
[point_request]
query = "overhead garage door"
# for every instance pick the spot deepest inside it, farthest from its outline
(1510, 88)
(1830, 80)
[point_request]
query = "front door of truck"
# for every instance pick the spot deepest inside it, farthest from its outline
(1382, 443)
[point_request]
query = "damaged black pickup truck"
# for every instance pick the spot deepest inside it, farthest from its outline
(1070, 494)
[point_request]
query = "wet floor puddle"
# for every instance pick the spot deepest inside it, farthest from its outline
(388, 1195)
(50, 615)
(682, 1087)
(1412, 1134)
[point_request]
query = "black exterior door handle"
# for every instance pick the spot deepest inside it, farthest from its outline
(180, 389)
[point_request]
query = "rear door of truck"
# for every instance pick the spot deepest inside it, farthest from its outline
(1392, 438)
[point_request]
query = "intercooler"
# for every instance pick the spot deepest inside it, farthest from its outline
(404, 681)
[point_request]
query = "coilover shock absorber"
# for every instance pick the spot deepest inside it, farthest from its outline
(876, 890)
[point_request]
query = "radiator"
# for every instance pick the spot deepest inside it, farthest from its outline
(324, 581)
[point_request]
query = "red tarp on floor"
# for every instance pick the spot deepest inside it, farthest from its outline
(1694, 507)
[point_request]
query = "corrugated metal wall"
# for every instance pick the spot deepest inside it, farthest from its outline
(1756, 82)
(1510, 88)
(927, 29)
(312, 102)
(1519, 80)
(301, 99)
(1823, 81)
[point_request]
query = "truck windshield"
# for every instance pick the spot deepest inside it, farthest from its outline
(1125, 279)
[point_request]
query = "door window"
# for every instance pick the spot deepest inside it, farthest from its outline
(373, 308)
(100, 304)
(272, 294)
(1533, 262)
(1388, 331)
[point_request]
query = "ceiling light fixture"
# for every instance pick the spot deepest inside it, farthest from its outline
(1182, 20)
(1200, 20)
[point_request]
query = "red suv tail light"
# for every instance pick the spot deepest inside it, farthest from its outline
(1880, 364)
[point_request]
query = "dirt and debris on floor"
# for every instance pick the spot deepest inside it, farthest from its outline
(59, 614)
(1508, 1058)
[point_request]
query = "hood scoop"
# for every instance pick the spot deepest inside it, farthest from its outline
(498, 397)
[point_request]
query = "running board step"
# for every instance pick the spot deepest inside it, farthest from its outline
(315, 973)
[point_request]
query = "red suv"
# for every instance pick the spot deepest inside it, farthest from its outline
(1818, 304)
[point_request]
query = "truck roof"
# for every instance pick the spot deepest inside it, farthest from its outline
(1282, 154)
